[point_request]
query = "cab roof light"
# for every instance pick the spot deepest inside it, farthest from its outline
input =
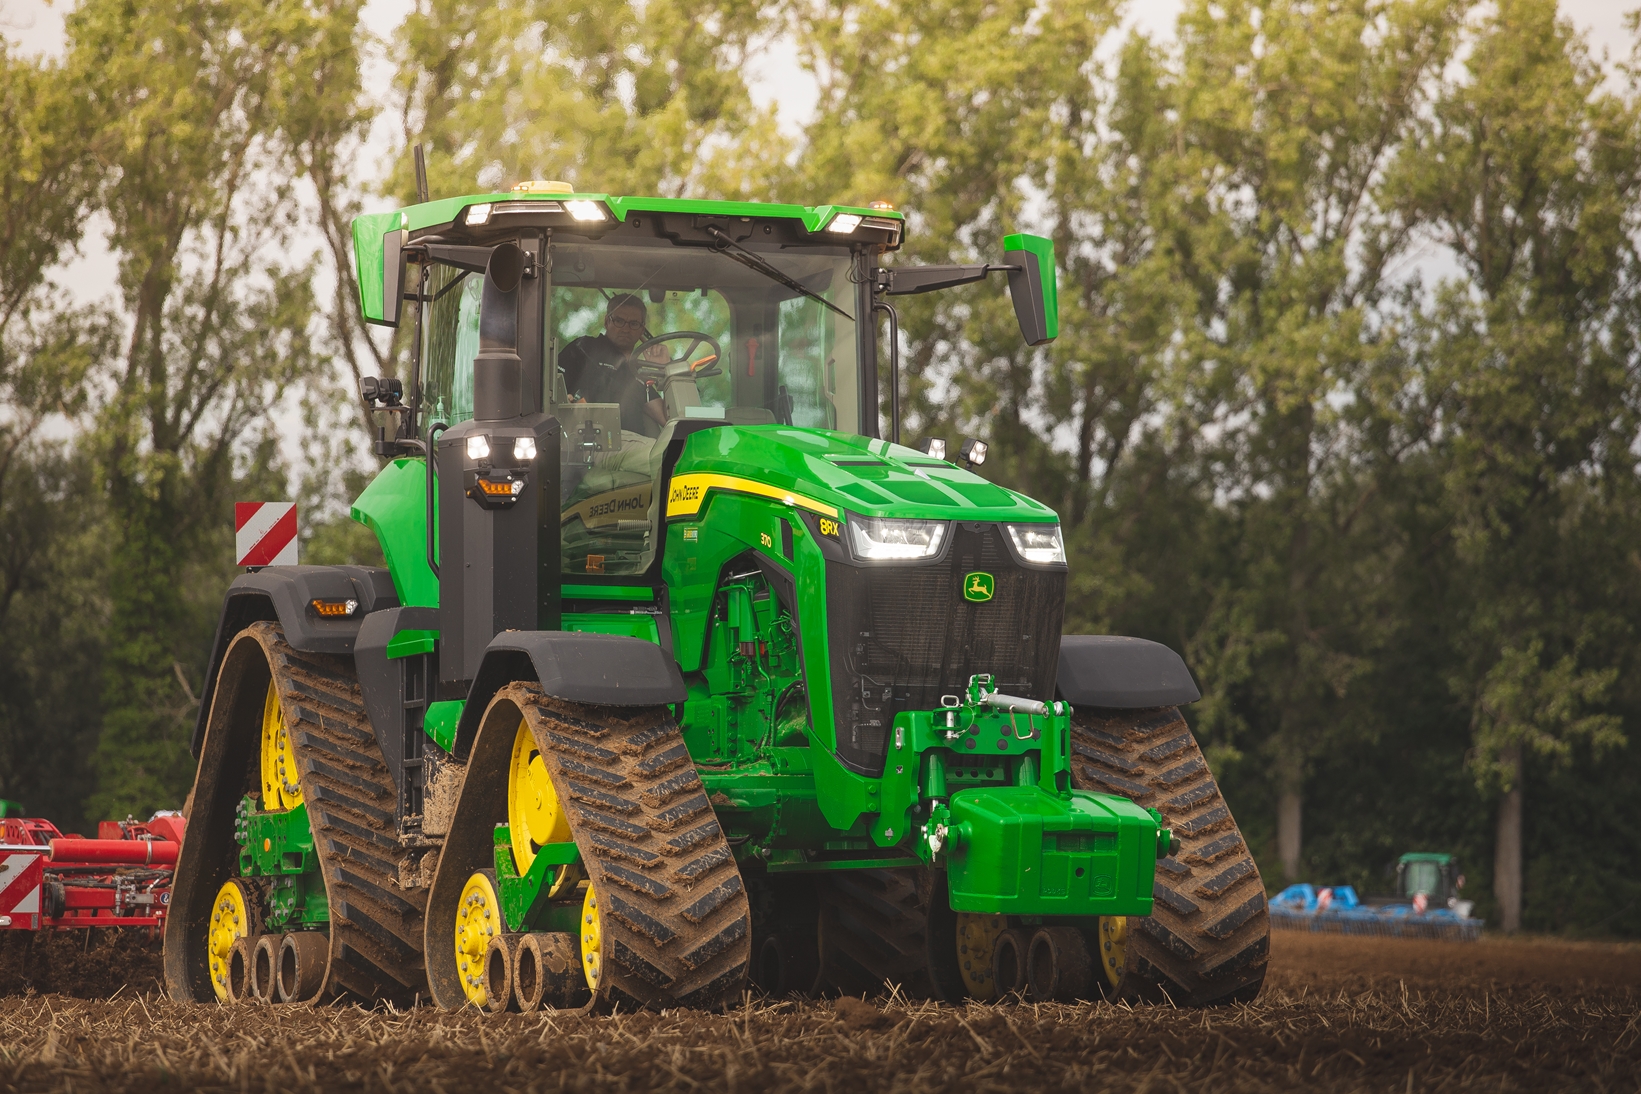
(844, 223)
(584, 210)
(933, 446)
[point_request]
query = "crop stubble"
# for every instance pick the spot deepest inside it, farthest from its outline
(1337, 1014)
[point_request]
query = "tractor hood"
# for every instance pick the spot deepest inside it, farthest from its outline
(828, 472)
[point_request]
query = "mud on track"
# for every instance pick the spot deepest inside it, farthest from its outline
(1338, 1014)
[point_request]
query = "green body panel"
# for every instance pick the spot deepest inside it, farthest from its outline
(394, 506)
(440, 721)
(410, 643)
(279, 846)
(10, 809)
(631, 625)
(844, 471)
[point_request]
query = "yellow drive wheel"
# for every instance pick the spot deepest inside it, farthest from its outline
(976, 936)
(534, 816)
(592, 939)
(230, 921)
(478, 920)
(1113, 953)
(280, 789)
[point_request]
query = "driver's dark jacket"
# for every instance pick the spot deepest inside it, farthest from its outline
(595, 370)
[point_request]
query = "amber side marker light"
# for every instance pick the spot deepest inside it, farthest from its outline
(502, 489)
(334, 609)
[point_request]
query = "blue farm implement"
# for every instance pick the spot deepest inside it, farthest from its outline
(1426, 905)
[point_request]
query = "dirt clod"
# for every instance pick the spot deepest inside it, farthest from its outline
(859, 1014)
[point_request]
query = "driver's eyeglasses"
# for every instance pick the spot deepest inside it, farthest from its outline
(624, 324)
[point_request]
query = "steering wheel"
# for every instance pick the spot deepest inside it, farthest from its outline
(657, 370)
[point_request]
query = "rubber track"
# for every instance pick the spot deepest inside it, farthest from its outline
(874, 927)
(677, 929)
(1208, 939)
(375, 926)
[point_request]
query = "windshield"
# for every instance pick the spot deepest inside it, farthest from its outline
(642, 334)
(1423, 877)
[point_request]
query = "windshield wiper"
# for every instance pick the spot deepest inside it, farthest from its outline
(754, 262)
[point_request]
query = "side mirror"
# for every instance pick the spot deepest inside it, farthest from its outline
(379, 264)
(1033, 287)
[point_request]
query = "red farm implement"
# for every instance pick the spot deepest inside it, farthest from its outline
(120, 879)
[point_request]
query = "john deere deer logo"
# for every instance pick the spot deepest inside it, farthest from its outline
(978, 586)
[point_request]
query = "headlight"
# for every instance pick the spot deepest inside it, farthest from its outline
(524, 448)
(582, 209)
(1040, 543)
(876, 539)
(478, 447)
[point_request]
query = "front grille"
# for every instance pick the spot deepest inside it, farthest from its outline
(903, 635)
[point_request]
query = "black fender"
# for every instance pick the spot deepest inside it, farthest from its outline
(282, 594)
(1107, 670)
(593, 669)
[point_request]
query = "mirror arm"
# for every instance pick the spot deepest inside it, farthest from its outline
(911, 280)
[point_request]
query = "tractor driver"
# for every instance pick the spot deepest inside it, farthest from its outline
(601, 369)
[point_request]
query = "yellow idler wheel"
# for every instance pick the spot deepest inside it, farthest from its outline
(230, 922)
(280, 788)
(534, 816)
(976, 937)
(478, 920)
(1113, 953)
(592, 939)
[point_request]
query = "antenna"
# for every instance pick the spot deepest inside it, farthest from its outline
(421, 174)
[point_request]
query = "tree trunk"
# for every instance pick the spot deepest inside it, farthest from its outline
(1289, 811)
(1507, 847)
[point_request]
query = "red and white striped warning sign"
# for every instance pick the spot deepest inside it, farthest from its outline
(265, 533)
(21, 875)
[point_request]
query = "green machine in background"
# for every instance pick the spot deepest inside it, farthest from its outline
(680, 678)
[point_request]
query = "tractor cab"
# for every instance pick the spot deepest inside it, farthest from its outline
(1436, 877)
(652, 327)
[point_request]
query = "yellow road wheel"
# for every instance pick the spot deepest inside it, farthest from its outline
(280, 789)
(478, 920)
(230, 921)
(592, 939)
(534, 816)
(1113, 947)
(976, 936)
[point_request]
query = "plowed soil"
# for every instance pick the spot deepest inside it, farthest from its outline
(1337, 1014)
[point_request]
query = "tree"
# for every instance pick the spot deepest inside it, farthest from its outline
(607, 94)
(1530, 173)
(200, 121)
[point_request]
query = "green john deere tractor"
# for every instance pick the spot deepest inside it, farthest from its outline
(680, 680)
